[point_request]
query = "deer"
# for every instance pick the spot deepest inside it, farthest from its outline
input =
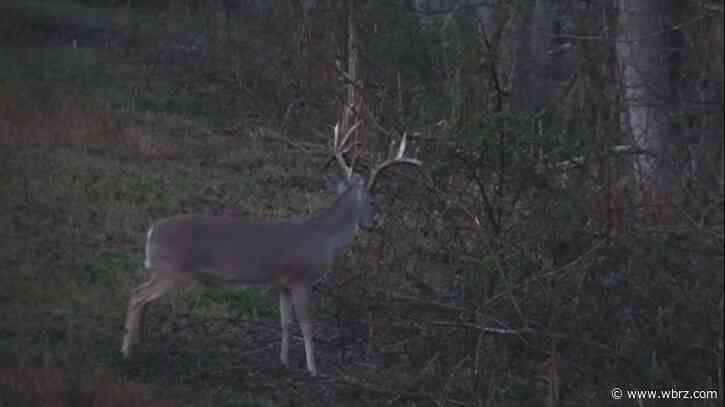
(287, 254)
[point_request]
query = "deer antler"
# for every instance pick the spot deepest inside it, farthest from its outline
(341, 146)
(393, 159)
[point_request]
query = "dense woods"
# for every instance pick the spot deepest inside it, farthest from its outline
(563, 237)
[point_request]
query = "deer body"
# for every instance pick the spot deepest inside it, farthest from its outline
(235, 252)
(222, 251)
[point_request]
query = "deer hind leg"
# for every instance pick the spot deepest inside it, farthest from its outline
(300, 299)
(158, 285)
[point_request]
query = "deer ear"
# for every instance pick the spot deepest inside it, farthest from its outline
(337, 184)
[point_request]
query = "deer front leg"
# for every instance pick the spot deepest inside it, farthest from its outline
(300, 299)
(285, 317)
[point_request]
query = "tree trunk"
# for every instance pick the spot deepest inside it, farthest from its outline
(649, 58)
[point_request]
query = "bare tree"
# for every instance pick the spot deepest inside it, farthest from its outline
(648, 60)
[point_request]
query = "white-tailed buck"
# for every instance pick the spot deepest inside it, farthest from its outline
(288, 254)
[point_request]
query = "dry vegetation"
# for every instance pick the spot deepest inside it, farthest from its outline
(488, 282)
(52, 387)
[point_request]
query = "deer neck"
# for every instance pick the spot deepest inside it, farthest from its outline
(339, 223)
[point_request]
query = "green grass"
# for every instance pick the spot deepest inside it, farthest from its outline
(80, 186)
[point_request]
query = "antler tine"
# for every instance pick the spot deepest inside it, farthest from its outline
(402, 146)
(393, 159)
(340, 147)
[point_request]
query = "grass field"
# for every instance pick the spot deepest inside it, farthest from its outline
(93, 147)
